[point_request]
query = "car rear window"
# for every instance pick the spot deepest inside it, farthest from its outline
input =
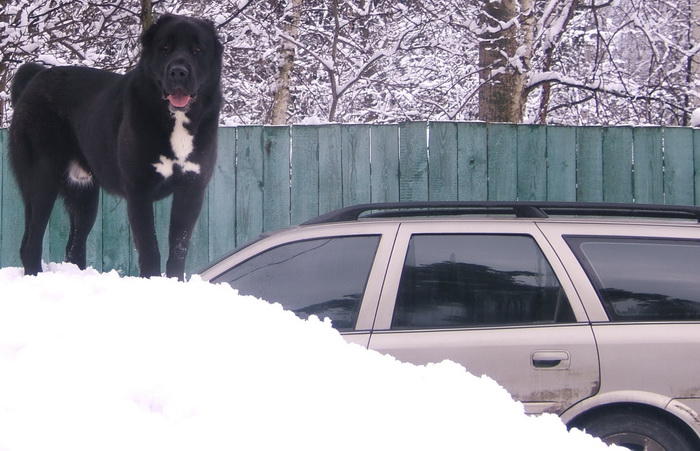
(462, 280)
(640, 279)
(325, 277)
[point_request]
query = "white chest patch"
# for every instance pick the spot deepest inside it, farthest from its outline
(182, 144)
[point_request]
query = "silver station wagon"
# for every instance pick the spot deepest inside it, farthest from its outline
(589, 311)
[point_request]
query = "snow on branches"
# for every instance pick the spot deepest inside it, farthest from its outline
(287, 61)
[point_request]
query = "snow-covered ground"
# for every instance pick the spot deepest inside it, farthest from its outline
(99, 362)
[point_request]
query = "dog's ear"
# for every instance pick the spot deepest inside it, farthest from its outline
(218, 47)
(148, 35)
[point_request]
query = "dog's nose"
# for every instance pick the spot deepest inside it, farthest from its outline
(178, 73)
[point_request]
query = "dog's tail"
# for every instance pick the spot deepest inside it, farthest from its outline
(23, 76)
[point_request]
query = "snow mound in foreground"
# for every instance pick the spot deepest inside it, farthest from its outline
(99, 362)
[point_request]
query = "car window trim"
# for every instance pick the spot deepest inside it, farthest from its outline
(407, 229)
(386, 231)
(593, 279)
(483, 328)
(483, 325)
(378, 235)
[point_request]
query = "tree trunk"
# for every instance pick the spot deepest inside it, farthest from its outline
(548, 60)
(693, 74)
(4, 75)
(146, 14)
(504, 51)
(279, 109)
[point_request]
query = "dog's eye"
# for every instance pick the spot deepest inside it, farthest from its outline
(165, 48)
(196, 50)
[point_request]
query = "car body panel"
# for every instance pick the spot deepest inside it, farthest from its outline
(641, 362)
(666, 363)
(602, 363)
(503, 353)
(642, 398)
(359, 338)
(687, 409)
(665, 367)
(506, 355)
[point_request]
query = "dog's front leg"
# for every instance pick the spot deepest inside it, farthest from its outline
(144, 233)
(187, 203)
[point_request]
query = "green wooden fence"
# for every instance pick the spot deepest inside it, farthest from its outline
(270, 177)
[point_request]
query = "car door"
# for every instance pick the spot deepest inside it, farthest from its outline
(493, 297)
(642, 278)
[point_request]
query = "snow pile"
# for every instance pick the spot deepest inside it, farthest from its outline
(97, 362)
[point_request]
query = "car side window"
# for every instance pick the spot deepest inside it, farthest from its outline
(640, 279)
(463, 280)
(325, 277)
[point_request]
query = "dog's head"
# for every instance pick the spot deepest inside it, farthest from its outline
(183, 56)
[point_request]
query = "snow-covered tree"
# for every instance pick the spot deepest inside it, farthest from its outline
(627, 61)
(546, 61)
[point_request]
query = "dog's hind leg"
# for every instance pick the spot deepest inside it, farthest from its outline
(39, 198)
(39, 160)
(81, 197)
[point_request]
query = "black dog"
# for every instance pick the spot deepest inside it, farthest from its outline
(143, 135)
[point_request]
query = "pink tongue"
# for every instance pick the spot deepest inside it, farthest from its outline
(179, 100)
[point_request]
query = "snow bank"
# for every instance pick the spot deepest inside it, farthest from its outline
(98, 362)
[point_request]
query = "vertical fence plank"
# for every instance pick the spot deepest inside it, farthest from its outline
(161, 217)
(617, 164)
(46, 244)
(472, 161)
(589, 164)
(3, 153)
(502, 163)
(384, 158)
(249, 184)
(413, 161)
(442, 175)
(198, 253)
(12, 215)
(531, 162)
(222, 196)
(275, 178)
(116, 242)
(648, 165)
(3, 164)
(304, 197)
(678, 156)
(355, 159)
(58, 229)
(94, 241)
(561, 163)
(696, 164)
(330, 167)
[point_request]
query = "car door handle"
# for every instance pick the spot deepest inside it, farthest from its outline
(551, 359)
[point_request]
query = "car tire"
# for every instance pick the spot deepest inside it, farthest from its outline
(637, 430)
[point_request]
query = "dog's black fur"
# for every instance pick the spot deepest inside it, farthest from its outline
(75, 129)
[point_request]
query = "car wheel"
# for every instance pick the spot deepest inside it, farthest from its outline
(637, 431)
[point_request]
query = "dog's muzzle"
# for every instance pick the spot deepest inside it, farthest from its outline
(178, 87)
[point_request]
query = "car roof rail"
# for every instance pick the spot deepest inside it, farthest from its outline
(521, 209)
